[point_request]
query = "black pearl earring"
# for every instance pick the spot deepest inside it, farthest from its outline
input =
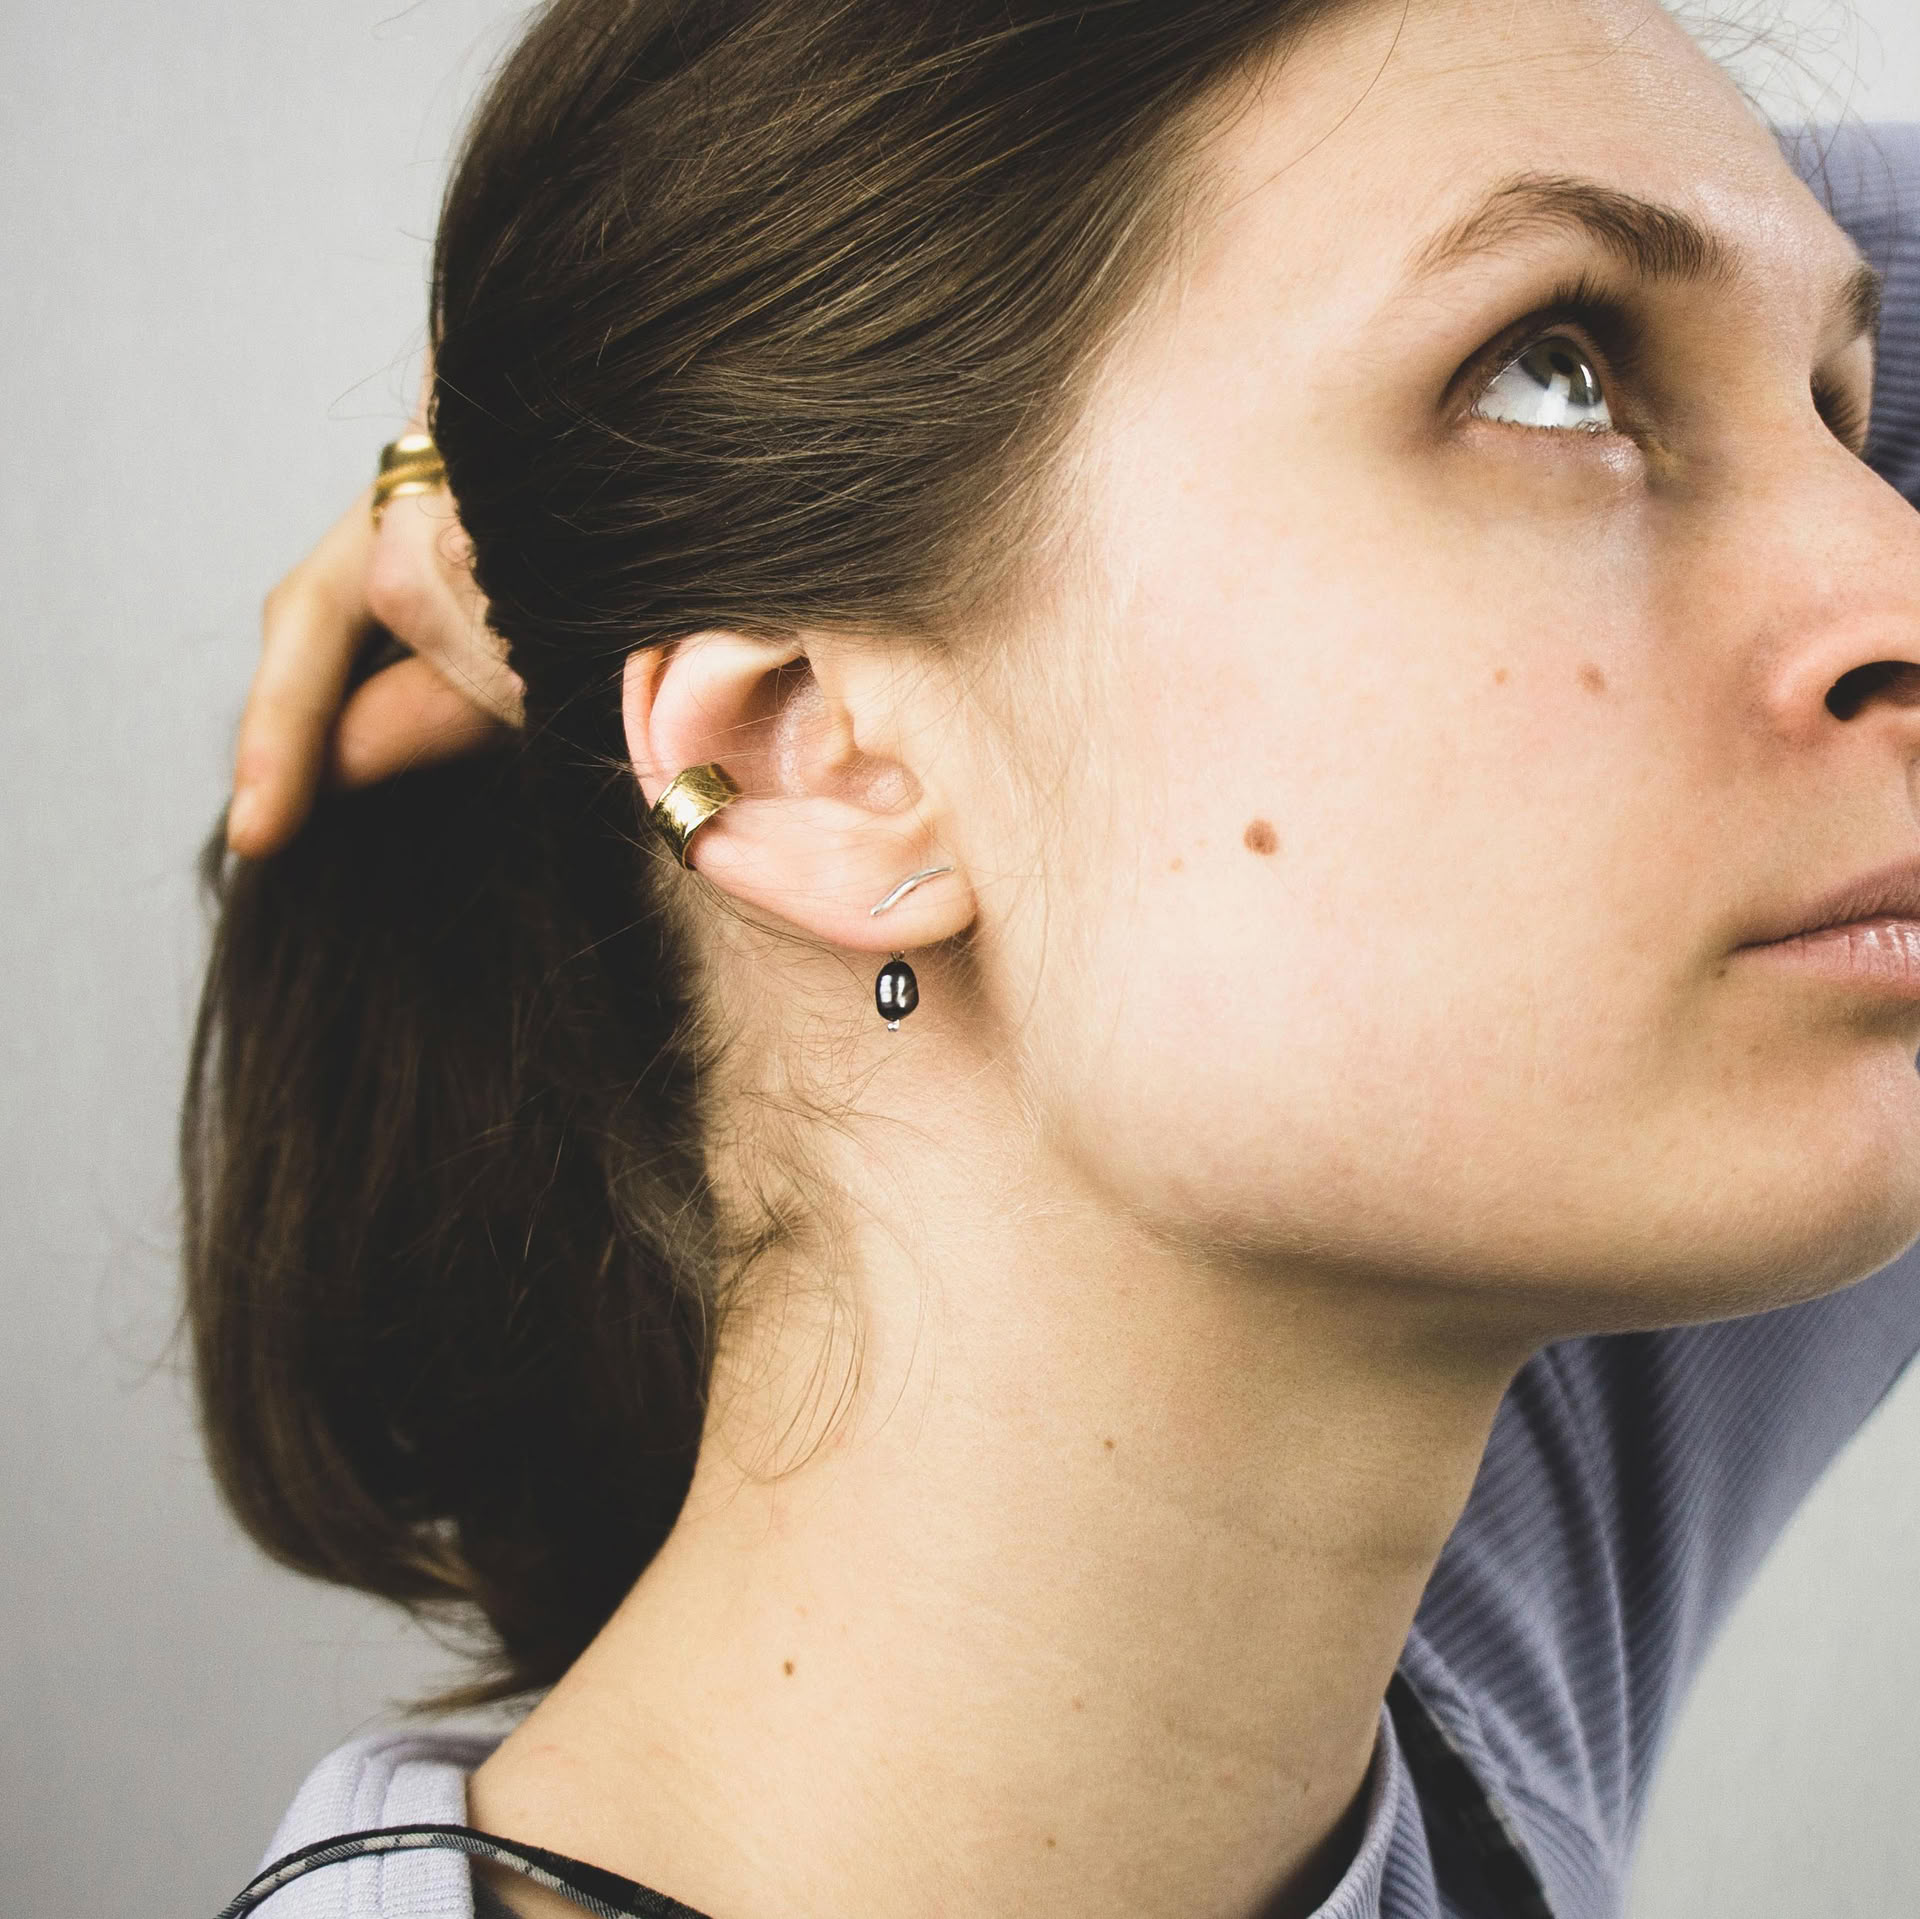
(896, 992)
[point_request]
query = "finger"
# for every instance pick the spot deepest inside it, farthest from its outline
(405, 716)
(420, 586)
(314, 624)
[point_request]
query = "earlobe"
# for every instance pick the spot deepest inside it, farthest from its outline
(753, 750)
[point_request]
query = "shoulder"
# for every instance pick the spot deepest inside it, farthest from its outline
(1631, 1485)
(1865, 174)
(396, 1777)
(1868, 177)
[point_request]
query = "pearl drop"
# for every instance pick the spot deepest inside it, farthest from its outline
(896, 992)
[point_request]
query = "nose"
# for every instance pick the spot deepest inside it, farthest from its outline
(1894, 683)
(1846, 623)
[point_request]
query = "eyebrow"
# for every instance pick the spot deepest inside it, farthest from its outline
(1655, 242)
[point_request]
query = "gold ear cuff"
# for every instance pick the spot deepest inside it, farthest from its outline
(692, 797)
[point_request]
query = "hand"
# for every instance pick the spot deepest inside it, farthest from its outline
(411, 577)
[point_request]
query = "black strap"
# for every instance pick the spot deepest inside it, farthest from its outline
(1470, 1831)
(600, 1892)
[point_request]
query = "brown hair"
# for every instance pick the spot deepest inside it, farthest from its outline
(747, 313)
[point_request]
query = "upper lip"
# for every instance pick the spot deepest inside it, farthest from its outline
(1891, 893)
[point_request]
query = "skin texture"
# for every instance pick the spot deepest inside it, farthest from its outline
(1341, 989)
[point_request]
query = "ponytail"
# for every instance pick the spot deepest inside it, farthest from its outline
(443, 1204)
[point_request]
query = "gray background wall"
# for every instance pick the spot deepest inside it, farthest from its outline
(214, 215)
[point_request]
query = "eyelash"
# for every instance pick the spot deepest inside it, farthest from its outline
(1598, 323)
(1602, 325)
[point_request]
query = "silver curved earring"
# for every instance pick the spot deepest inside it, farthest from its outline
(905, 887)
(896, 992)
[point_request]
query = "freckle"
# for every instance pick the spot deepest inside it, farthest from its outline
(1051, 1842)
(1177, 866)
(1593, 679)
(1078, 1705)
(1108, 1444)
(1499, 676)
(789, 1668)
(1260, 837)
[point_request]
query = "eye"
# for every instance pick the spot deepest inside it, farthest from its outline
(1550, 384)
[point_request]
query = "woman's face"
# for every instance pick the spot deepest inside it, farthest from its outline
(1474, 533)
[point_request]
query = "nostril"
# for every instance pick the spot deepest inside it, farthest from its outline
(1895, 681)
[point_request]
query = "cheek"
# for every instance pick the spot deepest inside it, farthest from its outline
(1331, 918)
(1403, 946)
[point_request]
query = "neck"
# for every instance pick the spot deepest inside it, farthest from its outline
(1072, 1583)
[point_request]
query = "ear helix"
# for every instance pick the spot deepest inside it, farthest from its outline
(692, 797)
(896, 992)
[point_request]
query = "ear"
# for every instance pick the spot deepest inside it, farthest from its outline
(816, 732)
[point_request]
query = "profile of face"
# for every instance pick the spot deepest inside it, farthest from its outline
(1480, 546)
(1449, 704)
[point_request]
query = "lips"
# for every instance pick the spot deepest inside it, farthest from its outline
(1891, 893)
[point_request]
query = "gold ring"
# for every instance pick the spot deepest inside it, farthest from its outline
(692, 798)
(410, 464)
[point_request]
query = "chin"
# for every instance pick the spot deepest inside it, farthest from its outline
(1723, 1276)
(1764, 1197)
(1835, 1204)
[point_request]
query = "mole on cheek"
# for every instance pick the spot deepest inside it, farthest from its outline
(1499, 676)
(1593, 679)
(1260, 837)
